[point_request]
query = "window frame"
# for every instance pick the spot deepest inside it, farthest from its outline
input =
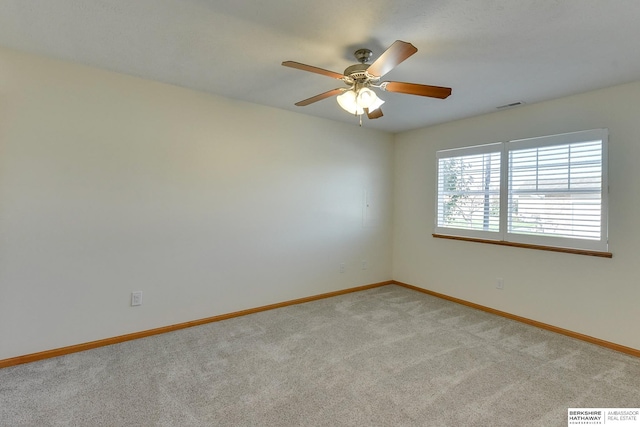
(504, 236)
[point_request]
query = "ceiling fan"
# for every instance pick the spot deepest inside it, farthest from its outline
(358, 98)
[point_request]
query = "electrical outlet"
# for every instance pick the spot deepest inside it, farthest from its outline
(342, 268)
(499, 283)
(136, 298)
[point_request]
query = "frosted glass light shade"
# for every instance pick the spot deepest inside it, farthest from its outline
(348, 103)
(365, 97)
(375, 104)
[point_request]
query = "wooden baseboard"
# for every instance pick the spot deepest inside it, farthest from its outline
(142, 334)
(566, 332)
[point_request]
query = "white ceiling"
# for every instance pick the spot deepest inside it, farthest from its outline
(491, 52)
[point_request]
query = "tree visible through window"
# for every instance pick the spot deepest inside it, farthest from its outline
(469, 191)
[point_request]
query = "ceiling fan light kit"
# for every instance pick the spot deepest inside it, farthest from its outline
(357, 102)
(359, 98)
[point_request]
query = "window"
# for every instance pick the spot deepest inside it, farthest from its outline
(469, 191)
(546, 191)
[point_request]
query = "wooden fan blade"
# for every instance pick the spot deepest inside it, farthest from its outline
(375, 114)
(417, 89)
(312, 69)
(319, 97)
(394, 55)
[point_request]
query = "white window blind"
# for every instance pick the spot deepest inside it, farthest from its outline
(469, 190)
(553, 191)
(557, 190)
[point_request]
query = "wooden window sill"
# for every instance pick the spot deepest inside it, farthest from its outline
(527, 246)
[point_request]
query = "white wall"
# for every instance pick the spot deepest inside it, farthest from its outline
(594, 296)
(110, 184)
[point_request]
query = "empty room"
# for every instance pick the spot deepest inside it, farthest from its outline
(408, 213)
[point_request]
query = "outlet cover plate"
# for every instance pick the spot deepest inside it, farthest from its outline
(136, 298)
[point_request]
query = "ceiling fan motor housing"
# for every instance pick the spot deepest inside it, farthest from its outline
(357, 72)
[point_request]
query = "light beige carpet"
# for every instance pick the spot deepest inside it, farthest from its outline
(388, 356)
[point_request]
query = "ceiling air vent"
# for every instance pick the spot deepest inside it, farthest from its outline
(513, 104)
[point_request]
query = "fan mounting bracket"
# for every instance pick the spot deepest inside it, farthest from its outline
(363, 55)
